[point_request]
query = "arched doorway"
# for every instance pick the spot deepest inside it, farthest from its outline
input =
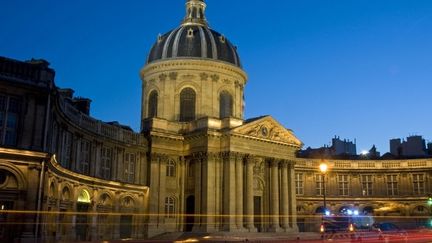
(190, 211)
(345, 210)
(420, 216)
(320, 210)
(368, 210)
(82, 224)
(10, 191)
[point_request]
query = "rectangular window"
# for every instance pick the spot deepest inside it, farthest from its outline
(169, 207)
(419, 184)
(106, 158)
(343, 184)
(9, 112)
(366, 181)
(66, 149)
(129, 168)
(319, 184)
(392, 185)
(84, 157)
(54, 139)
(299, 183)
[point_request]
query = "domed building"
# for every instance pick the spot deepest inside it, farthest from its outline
(197, 165)
(212, 162)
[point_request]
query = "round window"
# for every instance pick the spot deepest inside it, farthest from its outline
(2, 177)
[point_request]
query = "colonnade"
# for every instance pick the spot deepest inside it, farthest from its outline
(232, 175)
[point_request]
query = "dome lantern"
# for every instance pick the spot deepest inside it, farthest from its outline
(195, 13)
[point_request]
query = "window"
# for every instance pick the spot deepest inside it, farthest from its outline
(299, 183)
(319, 184)
(105, 170)
(129, 168)
(419, 184)
(66, 149)
(225, 105)
(84, 157)
(343, 185)
(9, 112)
(366, 182)
(171, 169)
(169, 207)
(392, 185)
(54, 139)
(187, 105)
(153, 104)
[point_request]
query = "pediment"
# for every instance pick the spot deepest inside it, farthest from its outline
(269, 129)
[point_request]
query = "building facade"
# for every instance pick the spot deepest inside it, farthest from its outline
(196, 165)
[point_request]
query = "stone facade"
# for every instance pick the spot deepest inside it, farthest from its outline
(383, 188)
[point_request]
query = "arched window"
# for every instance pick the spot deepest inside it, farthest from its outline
(84, 196)
(187, 105)
(225, 105)
(171, 169)
(169, 207)
(66, 195)
(153, 104)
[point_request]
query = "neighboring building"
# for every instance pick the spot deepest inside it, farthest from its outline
(429, 149)
(414, 146)
(339, 149)
(196, 165)
(373, 153)
(343, 147)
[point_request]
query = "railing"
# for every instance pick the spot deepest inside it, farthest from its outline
(391, 165)
(88, 123)
(365, 164)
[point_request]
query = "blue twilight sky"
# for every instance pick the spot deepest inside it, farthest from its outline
(358, 69)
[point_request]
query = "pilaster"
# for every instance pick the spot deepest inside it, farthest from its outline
(292, 197)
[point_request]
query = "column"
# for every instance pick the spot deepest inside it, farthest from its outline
(229, 202)
(292, 196)
(208, 193)
(156, 196)
(285, 197)
(249, 196)
(239, 192)
(198, 212)
(181, 168)
(274, 196)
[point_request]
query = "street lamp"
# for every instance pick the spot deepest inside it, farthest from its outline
(323, 168)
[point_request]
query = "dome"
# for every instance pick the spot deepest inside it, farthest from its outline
(194, 39)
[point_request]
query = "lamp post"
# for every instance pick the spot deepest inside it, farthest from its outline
(323, 168)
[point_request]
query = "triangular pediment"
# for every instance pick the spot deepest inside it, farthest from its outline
(269, 129)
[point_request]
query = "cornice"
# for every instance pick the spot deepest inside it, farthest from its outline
(192, 64)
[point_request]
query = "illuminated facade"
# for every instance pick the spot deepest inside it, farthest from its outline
(197, 165)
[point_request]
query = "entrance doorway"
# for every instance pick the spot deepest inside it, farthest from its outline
(190, 210)
(257, 213)
(126, 226)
